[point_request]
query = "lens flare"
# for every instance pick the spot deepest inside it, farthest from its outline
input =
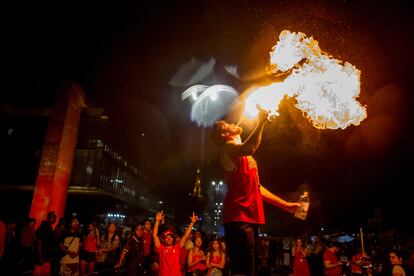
(213, 103)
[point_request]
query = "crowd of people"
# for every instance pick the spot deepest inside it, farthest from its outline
(156, 248)
(333, 258)
(88, 249)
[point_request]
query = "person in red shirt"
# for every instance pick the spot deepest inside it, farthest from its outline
(333, 267)
(149, 257)
(90, 243)
(196, 259)
(147, 237)
(169, 253)
(243, 207)
(300, 262)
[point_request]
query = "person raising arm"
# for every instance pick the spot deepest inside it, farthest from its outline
(169, 253)
(243, 205)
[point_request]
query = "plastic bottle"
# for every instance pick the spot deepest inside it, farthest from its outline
(304, 201)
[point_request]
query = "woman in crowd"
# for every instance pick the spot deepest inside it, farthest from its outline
(396, 259)
(226, 261)
(216, 259)
(106, 256)
(300, 264)
(90, 243)
(196, 258)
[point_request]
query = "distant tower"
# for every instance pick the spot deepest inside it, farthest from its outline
(197, 186)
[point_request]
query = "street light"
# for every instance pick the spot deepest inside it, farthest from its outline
(218, 185)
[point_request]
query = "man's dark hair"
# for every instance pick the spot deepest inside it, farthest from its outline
(145, 220)
(216, 137)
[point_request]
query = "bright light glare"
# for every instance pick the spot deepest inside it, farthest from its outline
(212, 104)
(194, 95)
(213, 95)
(193, 92)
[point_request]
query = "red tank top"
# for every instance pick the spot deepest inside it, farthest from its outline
(198, 266)
(243, 202)
(89, 244)
(215, 259)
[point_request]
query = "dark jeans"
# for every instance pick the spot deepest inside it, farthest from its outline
(242, 240)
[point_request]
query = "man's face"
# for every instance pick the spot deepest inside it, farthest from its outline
(230, 129)
(169, 240)
(138, 231)
(335, 249)
(147, 225)
(74, 224)
(91, 227)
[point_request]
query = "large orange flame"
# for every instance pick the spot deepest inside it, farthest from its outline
(326, 89)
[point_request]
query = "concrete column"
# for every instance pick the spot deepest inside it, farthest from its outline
(58, 151)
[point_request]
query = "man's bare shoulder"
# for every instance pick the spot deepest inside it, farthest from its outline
(228, 146)
(234, 149)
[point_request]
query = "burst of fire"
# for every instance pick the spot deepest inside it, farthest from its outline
(326, 89)
(268, 97)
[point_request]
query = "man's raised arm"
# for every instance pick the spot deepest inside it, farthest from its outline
(187, 232)
(158, 217)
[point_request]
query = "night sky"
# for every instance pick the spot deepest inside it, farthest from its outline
(124, 54)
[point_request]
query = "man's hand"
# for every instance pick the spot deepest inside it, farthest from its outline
(193, 218)
(159, 216)
(263, 116)
(292, 207)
